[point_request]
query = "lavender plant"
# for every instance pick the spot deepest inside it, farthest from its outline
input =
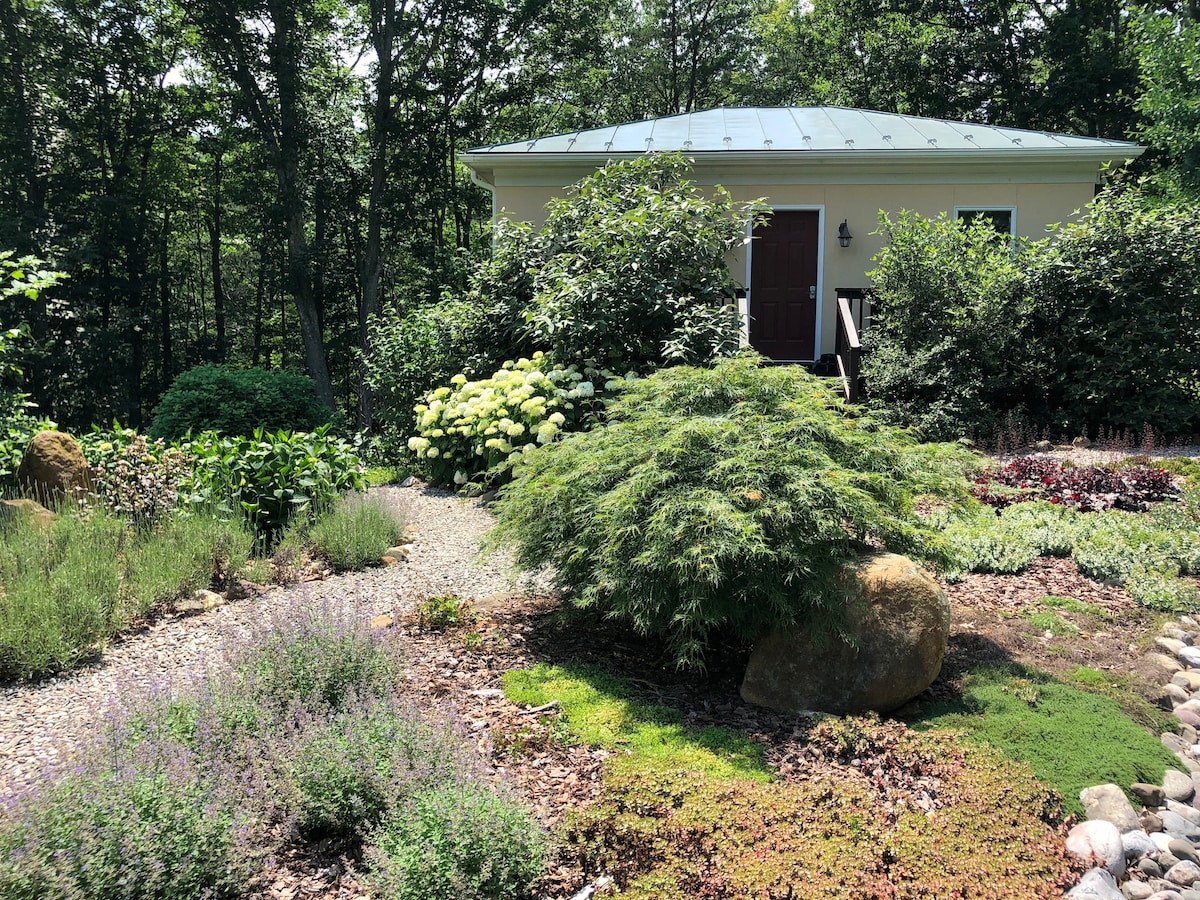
(459, 842)
(138, 820)
(187, 794)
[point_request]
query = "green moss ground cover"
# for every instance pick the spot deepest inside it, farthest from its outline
(699, 812)
(600, 710)
(1071, 738)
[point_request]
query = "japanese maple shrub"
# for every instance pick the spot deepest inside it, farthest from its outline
(724, 498)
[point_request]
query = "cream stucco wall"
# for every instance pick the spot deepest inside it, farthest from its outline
(1042, 196)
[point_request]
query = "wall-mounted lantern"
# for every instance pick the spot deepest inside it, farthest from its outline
(844, 235)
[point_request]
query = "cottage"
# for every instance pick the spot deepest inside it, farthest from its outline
(825, 172)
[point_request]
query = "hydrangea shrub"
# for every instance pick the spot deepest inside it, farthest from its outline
(480, 430)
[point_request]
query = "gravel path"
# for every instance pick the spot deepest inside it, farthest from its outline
(41, 721)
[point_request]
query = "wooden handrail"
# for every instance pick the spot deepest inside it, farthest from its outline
(848, 349)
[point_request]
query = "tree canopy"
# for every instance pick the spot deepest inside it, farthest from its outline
(248, 183)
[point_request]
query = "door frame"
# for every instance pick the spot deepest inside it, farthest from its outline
(819, 208)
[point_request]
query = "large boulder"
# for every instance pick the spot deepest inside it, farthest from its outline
(53, 467)
(899, 619)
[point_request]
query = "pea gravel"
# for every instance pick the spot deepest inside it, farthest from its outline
(41, 722)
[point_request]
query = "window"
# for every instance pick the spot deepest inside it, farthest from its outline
(1001, 218)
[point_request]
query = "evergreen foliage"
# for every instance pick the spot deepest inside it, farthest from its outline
(719, 499)
(235, 402)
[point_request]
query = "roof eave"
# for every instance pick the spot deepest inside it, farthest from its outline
(481, 157)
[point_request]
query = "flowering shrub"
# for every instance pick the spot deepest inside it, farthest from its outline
(188, 795)
(481, 429)
(133, 477)
(1089, 488)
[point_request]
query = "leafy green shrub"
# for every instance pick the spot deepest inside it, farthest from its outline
(21, 281)
(421, 347)
(236, 402)
(1125, 327)
(270, 477)
(351, 535)
(15, 435)
(631, 271)
(728, 498)
(463, 842)
(133, 477)
(481, 429)
(1071, 334)
(664, 831)
(947, 331)
(1071, 739)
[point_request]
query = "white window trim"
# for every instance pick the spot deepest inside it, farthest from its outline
(1011, 210)
(820, 312)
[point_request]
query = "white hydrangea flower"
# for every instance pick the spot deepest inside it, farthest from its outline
(460, 477)
(516, 429)
(432, 452)
(557, 418)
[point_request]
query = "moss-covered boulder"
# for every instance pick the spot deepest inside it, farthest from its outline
(53, 467)
(898, 622)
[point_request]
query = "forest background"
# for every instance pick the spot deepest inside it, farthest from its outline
(249, 181)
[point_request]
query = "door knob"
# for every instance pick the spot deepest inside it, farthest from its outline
(812, 292)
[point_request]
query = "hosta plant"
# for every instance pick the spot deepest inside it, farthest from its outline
(478, 430)
(270, 477)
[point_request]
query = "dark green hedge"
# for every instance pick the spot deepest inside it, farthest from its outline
(237, 401)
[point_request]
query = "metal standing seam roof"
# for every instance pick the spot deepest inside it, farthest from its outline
(820, 129)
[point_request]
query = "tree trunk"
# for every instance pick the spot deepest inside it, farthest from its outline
(213, 222)
(259, 289)
(286, 59)
(372, 265)
(164, 301)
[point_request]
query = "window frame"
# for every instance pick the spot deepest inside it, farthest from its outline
(1011, 210)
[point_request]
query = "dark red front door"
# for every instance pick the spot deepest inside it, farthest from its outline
(783, 282)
